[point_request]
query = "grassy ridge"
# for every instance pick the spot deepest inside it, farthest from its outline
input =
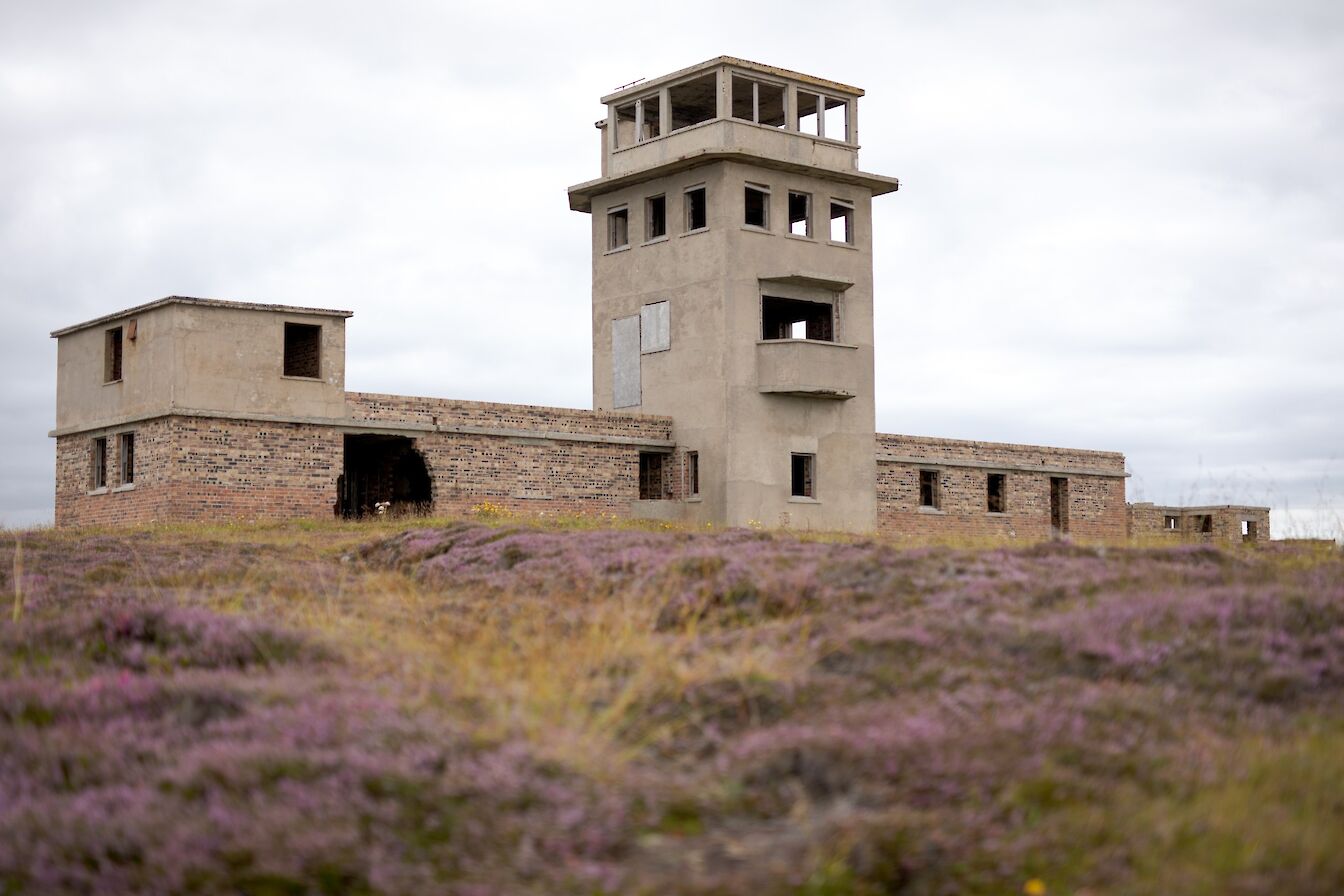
(513, 708)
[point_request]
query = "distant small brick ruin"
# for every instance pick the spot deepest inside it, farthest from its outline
(733, 383)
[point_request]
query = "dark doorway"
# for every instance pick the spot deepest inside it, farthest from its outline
(1059, 506)
(382, 474)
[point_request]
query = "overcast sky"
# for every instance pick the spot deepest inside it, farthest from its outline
(1120, 226)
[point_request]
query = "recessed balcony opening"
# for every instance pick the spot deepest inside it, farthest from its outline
(758, 101)
(797, 319)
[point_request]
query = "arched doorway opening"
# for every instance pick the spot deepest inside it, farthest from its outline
(382, 474)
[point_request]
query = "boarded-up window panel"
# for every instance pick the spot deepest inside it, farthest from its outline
(655, 328)
(625, 385)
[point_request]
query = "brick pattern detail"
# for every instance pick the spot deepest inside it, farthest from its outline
(1096, 504)
(372, 407)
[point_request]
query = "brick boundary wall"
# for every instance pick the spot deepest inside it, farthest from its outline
(1096, 487)
(1147, 520)
(214, 468)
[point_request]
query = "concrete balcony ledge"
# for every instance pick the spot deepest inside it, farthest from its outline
(807, 368)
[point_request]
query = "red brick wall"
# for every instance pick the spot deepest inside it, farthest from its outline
(447, 412)
(1096, 503)
(1148, 521)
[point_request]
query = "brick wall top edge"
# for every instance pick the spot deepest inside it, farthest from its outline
(889, 440)
(373, 405)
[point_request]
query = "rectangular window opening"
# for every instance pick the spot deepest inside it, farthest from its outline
(842, 222)
(1206, 523)
(1059, 505)
(930, 492)
(625, 125)
(1171, 523)
(809, 121)
(303, 350)
(997, 488)
(651, 476)
(692, 472)
(98, 477)
(126, 452)
(618, 228)
(757, 201)
(650, 123)
(696, 213)
(797, 319)
(800, 214)
(1249, 530)
(758, 101)
(803, 476)
(694, 101)
(835, 119)
(655, 216)
(112, 355)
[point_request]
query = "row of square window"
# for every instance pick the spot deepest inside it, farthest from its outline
(931, 491)
(302, 352)
(654, 472)
(125, 461)
(756, 213)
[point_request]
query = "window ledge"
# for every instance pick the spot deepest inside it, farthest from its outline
(112, 382)
(655, 241)
(752, 228)
(693, 499)
(696, 230)
(625, 248)
(842, 245)
(933, 510)
(130, 486)
(997, 513)
(799, 236)
(302, 379)
(802, 499)
(98, 491)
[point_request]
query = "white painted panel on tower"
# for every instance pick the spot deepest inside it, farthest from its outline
(625, 386)
(655, 328)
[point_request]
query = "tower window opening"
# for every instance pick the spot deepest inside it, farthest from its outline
(618, 228)
(647, 115)
(1249, 530)
(1171, 523)
(997, 493)
(757, 206)
(800, 214)
(112, 355)
(758, 101)
(651, 482)
(303, 350)
(655, 217)
(842, 222)
(696, 212)
(803, 476)
(1206, 523)
(835, 119)
(809, 121)
(625, 125)
(797, 319)
(694, 101)
(930, 489)
(98, 479)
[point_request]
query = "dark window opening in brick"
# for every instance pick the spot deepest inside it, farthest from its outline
(112, 355)
(651, 484)
(1059, 505)
(303, 350)
(98, 477)
(694, 101)
(1205, 523)
(757, 207)
(796, 319)
(842, 222)
(692, 472)
(696, 213)
(930, 490)
(126, 454)
(997, 489)
(1249, 530)
(382, 474)
(1171, 523)
(800, 214)
(618, 228)
(803, 476)
(655, 214)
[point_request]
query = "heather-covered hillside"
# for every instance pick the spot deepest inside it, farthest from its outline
(493, 707)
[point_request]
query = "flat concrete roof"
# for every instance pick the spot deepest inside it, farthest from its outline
(641, 86)
(209, 303)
